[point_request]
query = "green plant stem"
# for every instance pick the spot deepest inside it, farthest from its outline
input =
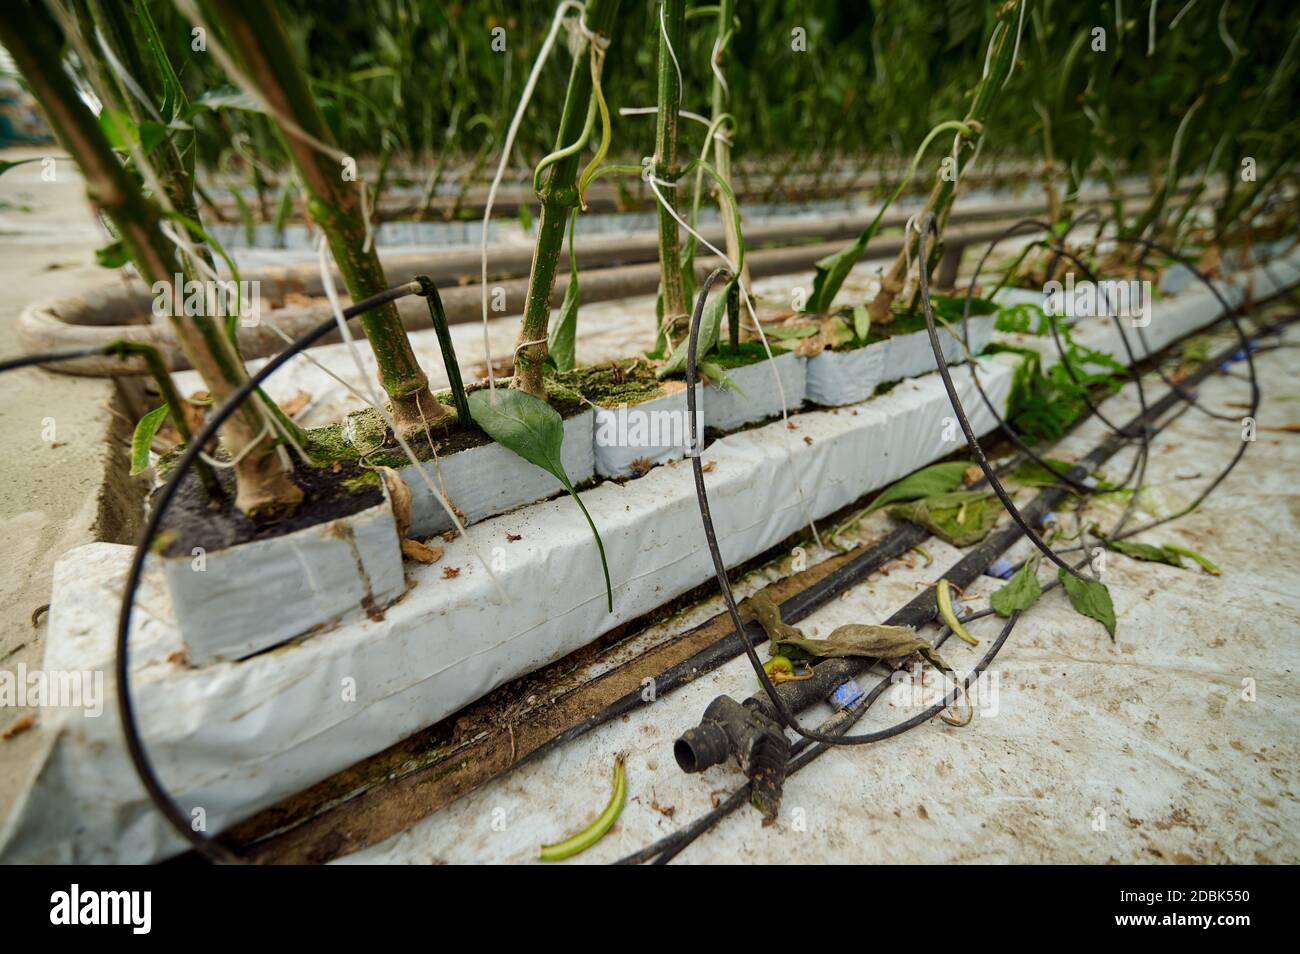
(672, 286)
(257, 38)
(559, 195)
(31, 37)
(941, 195)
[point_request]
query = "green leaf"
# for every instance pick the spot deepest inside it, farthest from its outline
(710, 328)
(1205, 564)
(1019, 593)
(861, 322)
(718, 377)
(926, 482)
(1091, 598)
(119, 129)
(1033, 474)
(1145, 551)
(122, 131)
(953, 307)
(112, 255)
(561, 343)
(7, 164)
(960, 518)
(143, 437)
(833, 269)
(535, 431)
(782, 332)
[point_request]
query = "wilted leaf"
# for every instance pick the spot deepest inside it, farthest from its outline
(878, 642)
(143, 437)
(833, 333)
(420, 552)
(1091, 598)
(858, 639)
(1145, 551)
(960, 518)
(926, 482)
(399, 496)
(1019, 593)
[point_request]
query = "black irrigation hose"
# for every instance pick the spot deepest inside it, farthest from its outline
(784, 715)
(48, 357)
(1244, 349)
(804, 752)
(670, 846)
(207, 847)
(667, 847)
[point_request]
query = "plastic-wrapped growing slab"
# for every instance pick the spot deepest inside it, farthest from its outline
(629, 439)
(234, 602)
(837, 378)
(910, 355)
(756, 396)
(489, 479)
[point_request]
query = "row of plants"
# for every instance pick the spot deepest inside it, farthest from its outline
(139, 156)
(1107, 87)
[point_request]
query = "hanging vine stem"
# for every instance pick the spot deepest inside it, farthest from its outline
(735, 268)
(507, 148)
(598, 97)
(558, 197)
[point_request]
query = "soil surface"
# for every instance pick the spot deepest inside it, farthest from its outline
(328, 494)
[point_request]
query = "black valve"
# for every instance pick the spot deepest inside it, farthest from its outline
(760, 748)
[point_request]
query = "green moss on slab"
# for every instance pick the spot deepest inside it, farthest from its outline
(749, 352)
(634, 383)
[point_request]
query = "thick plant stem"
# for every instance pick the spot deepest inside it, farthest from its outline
(256, 36)
(941, 195)
(559, 196)
(671, 29)
(264, 489)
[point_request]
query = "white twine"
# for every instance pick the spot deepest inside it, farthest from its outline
(663, 28)
(327, 282)
(776, 375)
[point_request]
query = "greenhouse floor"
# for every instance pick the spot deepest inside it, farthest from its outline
(1179, 742)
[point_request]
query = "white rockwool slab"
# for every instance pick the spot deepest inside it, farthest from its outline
(490, 479)
(234, 602)
(656, 431)
(756, 396)
(837, 378)
(234, 737)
